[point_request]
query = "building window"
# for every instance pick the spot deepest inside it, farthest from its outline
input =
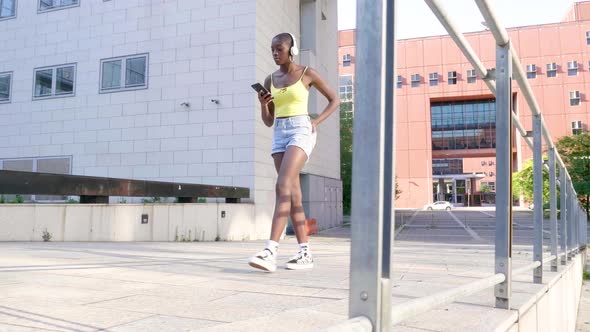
(447, 166)
(491, 185)
(45, 5)
(415, 80)
(433, 78)
(531, 71)
(346, 60)
(345, 87)
(471, 76)
(587, 37)
(572, 68)
(56, 81)
(552, 69)
(463, 125)
(55, 165)
(399, 81)
(5, 84)
(574, 98)
(7, 9)
(452, 77)
(577, 127)
(124, 73)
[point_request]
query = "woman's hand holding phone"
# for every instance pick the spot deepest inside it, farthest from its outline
(264, 97)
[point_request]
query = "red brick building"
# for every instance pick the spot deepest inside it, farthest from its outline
(445, 134)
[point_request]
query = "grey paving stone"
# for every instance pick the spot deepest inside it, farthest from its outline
(163, 324)
(208, 286)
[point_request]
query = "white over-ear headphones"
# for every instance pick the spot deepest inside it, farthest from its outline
(293, 50)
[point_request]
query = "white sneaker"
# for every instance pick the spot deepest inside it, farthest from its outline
(303, 260)
(264, 260)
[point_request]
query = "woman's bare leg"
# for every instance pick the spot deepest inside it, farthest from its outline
(289, 167)
(297, 212)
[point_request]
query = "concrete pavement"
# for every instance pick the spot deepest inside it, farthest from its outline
(583, 323)
(208, 286)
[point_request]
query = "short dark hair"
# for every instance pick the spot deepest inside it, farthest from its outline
(285, 37)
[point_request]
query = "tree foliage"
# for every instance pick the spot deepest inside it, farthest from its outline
(346, 154)
(575, 153)
(523, 184)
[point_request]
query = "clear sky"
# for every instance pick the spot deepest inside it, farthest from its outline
(415, 19)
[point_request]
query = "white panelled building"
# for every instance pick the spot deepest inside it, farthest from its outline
(160, 90)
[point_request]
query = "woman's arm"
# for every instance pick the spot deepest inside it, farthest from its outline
(326, 90)
(266, 105)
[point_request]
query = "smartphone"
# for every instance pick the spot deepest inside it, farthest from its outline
(259, 87)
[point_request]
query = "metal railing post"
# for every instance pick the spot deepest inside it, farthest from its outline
(570, 220)
(553, 207)
(563, 214)
(577, 228)
(538, 198)
(581, 229)
(584, 228)
(579, 233)
(503, 248)
(373, 165)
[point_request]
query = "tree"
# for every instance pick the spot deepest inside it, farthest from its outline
(346, 154)
(485, 188)
(575, 153)
(523, 184)
(346, 125)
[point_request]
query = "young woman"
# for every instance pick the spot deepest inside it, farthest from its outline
(294, 139)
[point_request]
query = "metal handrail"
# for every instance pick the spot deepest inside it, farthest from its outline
(372, 281)
(477, 64)
(502, 38)
(421, 305)
(417, 306)
(526, 268)
(468, 52)
(550, 258)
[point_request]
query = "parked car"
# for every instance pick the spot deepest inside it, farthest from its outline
(439, 205)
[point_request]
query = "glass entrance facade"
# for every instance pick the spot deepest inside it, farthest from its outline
(460, 125)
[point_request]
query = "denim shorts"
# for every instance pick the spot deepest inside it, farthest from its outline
(294, 130)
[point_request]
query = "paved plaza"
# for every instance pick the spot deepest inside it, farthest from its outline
(208, 286)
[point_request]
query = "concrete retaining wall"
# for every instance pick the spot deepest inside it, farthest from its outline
(123, 222)
(555, 307)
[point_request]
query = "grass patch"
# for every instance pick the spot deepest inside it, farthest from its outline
(586, 275)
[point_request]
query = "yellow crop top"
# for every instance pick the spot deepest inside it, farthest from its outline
(290, 100)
